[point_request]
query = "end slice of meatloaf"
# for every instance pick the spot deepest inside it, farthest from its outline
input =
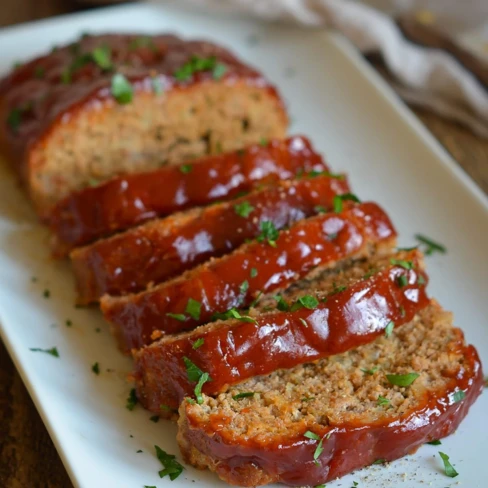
(221, 284)
(328, 314)
(162, 249)
(322, 420)
(112, 104)
(128, 200)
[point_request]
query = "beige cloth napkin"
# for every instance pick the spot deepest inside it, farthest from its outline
(428, 77)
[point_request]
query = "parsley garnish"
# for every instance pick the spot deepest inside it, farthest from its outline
(448, 467)
(219, 71)
(53, 351)
(244, 287)
(307, 301)
(198, 389)
(435, 442)
(338, 288)
(131, 400)
(198, 343)
(339, 201)
(177, 316)
(193, 309)
(186, 168)
(256, 300)
(389, 328)
(154, 418)
(121, 89)
(371, 371)
(192, 370)
(142, 41)
(382, 401)
(458, 396)
(379, 461)
(14, 119)
(402, 379)
(402, 281)
(320, 209)
(172, 467)
(319, 449)
(263, 142)
(402, 263)
(234, 314)
(431, 246)
(244, 394)
(307, 399)
(165, 407)
(197, 64)
(101, 56)
(96, 368)
(254, 272)
(420, 280)
(303, 321)
(243, 209)
(268, 232)
(281, 305)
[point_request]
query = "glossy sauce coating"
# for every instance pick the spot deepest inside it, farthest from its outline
(218, 285)
(46, 99)
(131, 199)
(235, 351)
(349, 447)
(160, 250)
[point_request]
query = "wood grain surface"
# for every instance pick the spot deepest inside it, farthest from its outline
(28, 458)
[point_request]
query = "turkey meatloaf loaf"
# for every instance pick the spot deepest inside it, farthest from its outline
(328, 313)
(125, 201)
(322, 420)
(112, 104)
(161, 249)
(274, 260)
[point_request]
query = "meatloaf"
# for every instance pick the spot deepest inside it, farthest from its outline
(327, 314)
(125, 201)
(112, 104)
(161, 249)
(272, 261)
(322, 420)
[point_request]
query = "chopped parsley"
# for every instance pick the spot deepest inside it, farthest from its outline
(435, 442)
(198, 389)
(193, 309)
(177, 316)
(263, 142)
(172, 467)
(243, 209)
(431, 246)
(320, 209)
(389, 328)
(198, 343)
(256, 300)
(165, 407)
(14, 119)
(234, 314)
(370, 273)
(102, 57)
(448, 467)
(138, 452)
(186, 168)
(379, 461)
(244, 287)
(142, 41)
(307, 301)
(458, 396)
(154, 418)
(338, 288)
(197, 64)
(303, 321)
(382, 401)
(219, 71)
(131, 400)
(308, 399)
(121, 89)
(244, 394)
(53, 351)
(268, 233)
(420, 280)
(192, 370)
(402, 379)
(371, 371)
(319, 449)
(402, 263)
(338, 201)
(96, 368)
(281, 304)
(402, 281)
(254, 272)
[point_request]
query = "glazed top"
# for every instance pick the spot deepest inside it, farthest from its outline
(37, 93)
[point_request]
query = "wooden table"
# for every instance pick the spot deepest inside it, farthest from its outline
(28, 458)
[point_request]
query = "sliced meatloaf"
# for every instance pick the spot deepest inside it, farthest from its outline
(272, 261)
(161, 249)
(322, 420)
(112, 104)
(329, 313)
(128, 200)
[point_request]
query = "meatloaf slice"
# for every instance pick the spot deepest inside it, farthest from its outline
(113, 104)
(236, 279)
(128, 200)
(329, 314)
(322, 420)
(161, 249)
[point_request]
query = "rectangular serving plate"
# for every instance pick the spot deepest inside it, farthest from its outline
(351, 115)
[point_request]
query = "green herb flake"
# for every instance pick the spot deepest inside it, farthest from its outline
(192, 370)
(142, 41)
(102, 57)
(308, 301)
(197, 64)
(256, 300)
(66, 76)
(338, 288)
(389, 328)
(131, 400)
(448, 467)
(193, 309)
(458, 396)
(121, 89)
(338, 201)
(186, 168)
(268, 233)
(96, 368)
(311, 435)
(14, 119)
(402, 263)
(218, 71)
(190, 401)
(402, 281)
(254, 272)
(138, 452)
(154, 418)
(53, 351)
(320, 486)
(382, 401)
(431, 246)
(198, 389)
(198, 343)
(420, 280)
(303, 321)
(263, 142)
(435, 442)
(39, 72)
(319, 449)
(402, 379)
(307, 399)
(147, 486)
(244, 287)
(165, 407)
(281, 304)
(320, 209)
(243, 209)
(177, 316)
(172, 467)
(371, 371)
(379, 461)
(244, 394)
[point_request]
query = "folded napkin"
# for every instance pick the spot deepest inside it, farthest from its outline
(433, 78)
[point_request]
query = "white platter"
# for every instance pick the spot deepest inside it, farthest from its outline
(354, 118)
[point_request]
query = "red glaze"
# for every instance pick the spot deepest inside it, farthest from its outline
(46, 101)
(128, 200)
(234, 351)
(352, 446)
(157, 251)
(217, 284)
